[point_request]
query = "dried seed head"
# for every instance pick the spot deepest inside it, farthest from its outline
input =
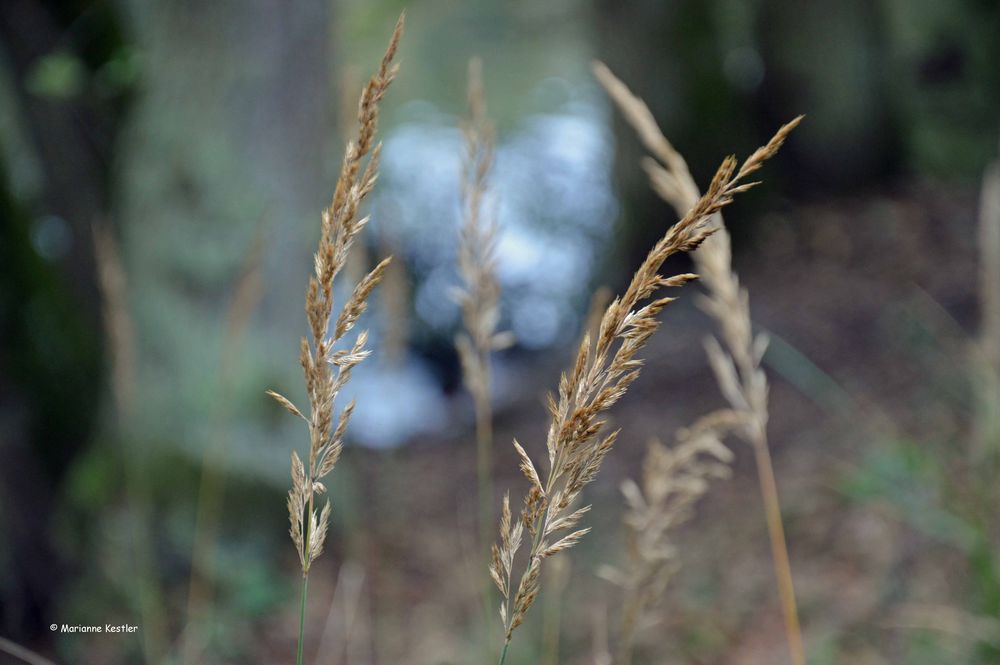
(326, 370)
(479, 295)
(673, 478)
(605, 368)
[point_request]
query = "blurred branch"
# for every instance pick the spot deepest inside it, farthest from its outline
(27, 655)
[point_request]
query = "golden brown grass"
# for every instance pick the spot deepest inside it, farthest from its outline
(673, 479)
(479, 295)
(736, 356)
(326, 366)
(602, 373)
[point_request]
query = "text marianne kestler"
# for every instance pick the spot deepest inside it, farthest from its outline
(101, 628)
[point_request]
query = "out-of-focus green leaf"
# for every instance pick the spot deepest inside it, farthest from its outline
(59, 76)
(120, 72)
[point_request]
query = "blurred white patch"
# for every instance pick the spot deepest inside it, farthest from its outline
(394, 403)
(550, 191)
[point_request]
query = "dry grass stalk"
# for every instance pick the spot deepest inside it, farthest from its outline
(22, 654)
(959, 626)
(736, 360)
(349, 81)
(673, 479)
(600, 651)
(326, 367)
(246, 294)
(479, 296)
(986, 356)
(601, 375)
(118, 324)
(344, 638)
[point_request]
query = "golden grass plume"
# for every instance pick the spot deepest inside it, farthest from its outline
(736, 360)
(325, 366)
(603, 371)
(479, 295)
(673, 479)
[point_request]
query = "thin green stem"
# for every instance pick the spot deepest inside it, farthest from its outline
(302, 617)
(305, 578)
(503, 654)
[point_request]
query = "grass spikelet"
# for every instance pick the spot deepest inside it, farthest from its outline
(735, 357)
(479, 295)
(673, 479)
(602, 373)
(326, 367)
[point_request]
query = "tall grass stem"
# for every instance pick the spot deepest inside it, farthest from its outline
(302, 617)
(779, 549)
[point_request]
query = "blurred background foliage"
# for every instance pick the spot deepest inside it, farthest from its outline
(206, 138)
